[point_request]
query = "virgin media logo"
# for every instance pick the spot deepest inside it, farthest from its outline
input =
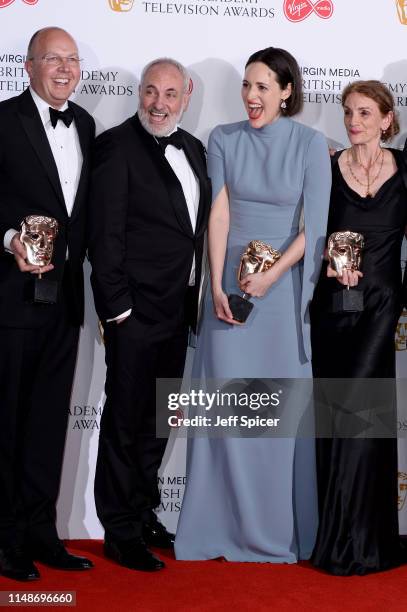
(5, 3)
(298, 10)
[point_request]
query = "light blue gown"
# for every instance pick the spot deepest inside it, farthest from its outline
(255, 499)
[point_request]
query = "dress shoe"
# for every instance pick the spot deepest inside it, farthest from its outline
(155, 534)
(133, 554)
(15, 564)
(58, 557)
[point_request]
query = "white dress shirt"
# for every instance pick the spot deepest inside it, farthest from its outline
(66, 150)
(190, 186)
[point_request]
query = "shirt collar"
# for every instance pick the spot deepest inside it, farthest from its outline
(166, 136)
(174, 130)
(43, 106)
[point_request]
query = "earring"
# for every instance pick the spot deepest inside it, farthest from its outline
(283, 104)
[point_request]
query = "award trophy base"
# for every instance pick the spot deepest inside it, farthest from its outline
(348, 300)
(41, 291)
(240, 307)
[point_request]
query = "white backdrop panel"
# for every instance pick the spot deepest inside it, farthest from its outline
(213, 38)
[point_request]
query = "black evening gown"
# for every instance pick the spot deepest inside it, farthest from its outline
(357, 478)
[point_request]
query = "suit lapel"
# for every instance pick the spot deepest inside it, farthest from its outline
(84, 134)
(34, 129)
(170, 180)
(194, 157)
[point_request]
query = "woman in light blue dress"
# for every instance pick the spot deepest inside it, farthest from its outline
(254, 499)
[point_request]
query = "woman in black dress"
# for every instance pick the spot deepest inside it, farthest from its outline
(357, 478)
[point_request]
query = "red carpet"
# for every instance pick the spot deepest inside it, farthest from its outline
(217, 586)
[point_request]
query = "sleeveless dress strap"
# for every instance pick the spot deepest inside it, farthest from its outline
(401, 164)
(335, 157)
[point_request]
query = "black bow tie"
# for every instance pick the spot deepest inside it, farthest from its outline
(66, 116)
(174, 139)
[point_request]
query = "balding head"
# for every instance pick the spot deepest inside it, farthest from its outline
(53, 65)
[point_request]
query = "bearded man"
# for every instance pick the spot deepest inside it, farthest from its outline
(150, 201)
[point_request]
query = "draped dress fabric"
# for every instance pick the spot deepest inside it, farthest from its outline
(255, 499)
(357, 478)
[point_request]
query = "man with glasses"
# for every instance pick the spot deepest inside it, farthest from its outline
(45, 144)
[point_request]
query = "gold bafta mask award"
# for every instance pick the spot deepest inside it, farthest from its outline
(38, 234)
(345, 253)
(401, 332)
(121, 6)
(257, 257)
(402, 11)
(402, 490)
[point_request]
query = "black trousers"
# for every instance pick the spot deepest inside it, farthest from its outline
(137, 352)
(36, 373)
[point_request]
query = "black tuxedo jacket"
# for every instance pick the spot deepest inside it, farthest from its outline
(29, 184)
(142, 243)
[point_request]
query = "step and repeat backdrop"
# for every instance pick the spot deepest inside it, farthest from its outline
(335, 42)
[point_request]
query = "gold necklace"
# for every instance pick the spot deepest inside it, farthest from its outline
(367, 170)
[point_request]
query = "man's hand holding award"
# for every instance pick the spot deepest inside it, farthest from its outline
(38, 234)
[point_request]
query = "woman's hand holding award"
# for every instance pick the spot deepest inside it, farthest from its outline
(257, 257)
(345, 255)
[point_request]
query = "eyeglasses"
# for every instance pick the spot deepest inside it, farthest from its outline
(58, 60)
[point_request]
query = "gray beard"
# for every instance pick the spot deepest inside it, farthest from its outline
(157, 130)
